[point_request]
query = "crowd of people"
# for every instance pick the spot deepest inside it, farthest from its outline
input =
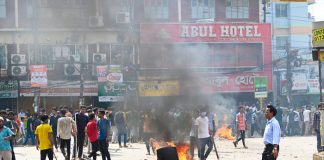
(95, 128)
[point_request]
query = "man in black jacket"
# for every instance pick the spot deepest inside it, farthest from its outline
(81, 122)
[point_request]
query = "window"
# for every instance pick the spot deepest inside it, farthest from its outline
(281, 42)
(202, 9)
(237, 9)
(3, 11)
(30, 11)
(281, 10)
(3, 57)
(156, 9)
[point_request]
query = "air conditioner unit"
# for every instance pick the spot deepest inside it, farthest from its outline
(18, 59)
(18, 70)
(72, 69)
(95, 21)
(74, 58)
(123, 17)
(99, 58)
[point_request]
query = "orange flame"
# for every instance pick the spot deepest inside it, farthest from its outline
(225, 132)
(182, 149)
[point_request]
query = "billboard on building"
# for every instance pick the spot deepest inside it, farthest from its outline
(60, 88)
(217, 57)
(38, 75)
(111, 92)
(8, 89)
(156, 88)
(318, 34)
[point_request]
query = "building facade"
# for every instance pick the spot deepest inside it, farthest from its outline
(291, 28)
(168, 50)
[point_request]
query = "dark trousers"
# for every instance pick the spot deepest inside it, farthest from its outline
(54, 139)
(67, 143)
(193, 144)
(12, 150)
(146, 138)
(242, 137)
(46, 152)
(267, 153)
(103, 146)
(318, 137)
(202, 142)
(253, 128)
(79, 143)
(95, 149)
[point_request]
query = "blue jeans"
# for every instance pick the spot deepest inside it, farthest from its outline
(30, 135)
(202, 142)
(122, 131)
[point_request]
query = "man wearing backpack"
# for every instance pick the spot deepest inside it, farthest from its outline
(120, 122)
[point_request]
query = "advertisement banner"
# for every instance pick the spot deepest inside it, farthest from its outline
(313, 86)
(102, 72)
(260, 84)
(8, 89)
(193, 32)
(60, 88)
(157, 88)
(38, 75)
(115, 74)
(111, 92)
(318, 34)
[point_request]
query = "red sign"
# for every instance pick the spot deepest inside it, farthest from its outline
(171, 33)
(38, 75)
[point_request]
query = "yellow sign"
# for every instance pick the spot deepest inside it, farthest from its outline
(318, 35)
(321, 56)
(157, 88)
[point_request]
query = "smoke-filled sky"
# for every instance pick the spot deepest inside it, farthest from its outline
(316, 10)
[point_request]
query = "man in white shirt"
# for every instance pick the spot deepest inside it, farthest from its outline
(306, 115)
(66, 127)
(203, 136)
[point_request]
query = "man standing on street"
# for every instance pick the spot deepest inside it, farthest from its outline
(271, 136)
(120, 122)
(104, 135)
(5, 136)
(81, 122)
(241, 127)
(44, 139)
(306, 115)
(203, 136)
(92, 132)
(65, 128)
(316, 126)
(53, 123)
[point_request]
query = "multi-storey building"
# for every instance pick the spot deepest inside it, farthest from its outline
(180, 49)
(291, 37)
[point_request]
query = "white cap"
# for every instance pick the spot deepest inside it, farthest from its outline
(1, 119)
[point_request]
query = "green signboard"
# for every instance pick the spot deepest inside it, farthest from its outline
(8, 89)
(260, 85)
(111, 92)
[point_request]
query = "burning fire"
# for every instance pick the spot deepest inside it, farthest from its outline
(182, 149)
(225, 132)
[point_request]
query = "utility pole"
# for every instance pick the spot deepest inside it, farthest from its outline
(264, 11)
(289, 82)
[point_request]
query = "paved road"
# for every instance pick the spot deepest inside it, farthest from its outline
(291, 148)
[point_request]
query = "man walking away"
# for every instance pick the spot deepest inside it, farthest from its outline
(66, 127)
(5, 136)
(44, 139)
(316, 126)
(92, 132)
(271, 137)
(241, 127)
(81, 122)
(279, 117)
(104, 135)
(29, 130)
(306, 115)
(120, 122)
(193, 135)
(203, 136)
(53, 122)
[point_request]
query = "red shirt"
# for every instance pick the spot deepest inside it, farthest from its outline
(92, 131)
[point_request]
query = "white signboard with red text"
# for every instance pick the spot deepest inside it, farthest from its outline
(38, 75)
